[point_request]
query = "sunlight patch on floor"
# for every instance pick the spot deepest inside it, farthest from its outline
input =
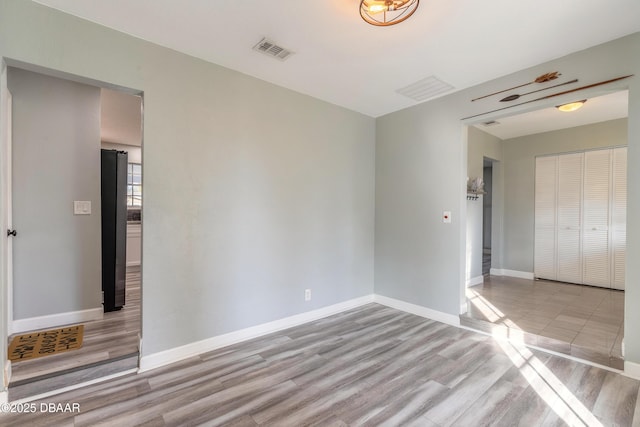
(548, 386)
(542, 380)
(488, 310)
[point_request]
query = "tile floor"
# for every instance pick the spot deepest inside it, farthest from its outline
(588, 319)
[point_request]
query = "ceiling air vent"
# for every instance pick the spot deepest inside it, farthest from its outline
(271, 49)
(426, 88)
(490, 123)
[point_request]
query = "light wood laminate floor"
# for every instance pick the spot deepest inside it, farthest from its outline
(113, 338)
(372, 366)
(583, 321)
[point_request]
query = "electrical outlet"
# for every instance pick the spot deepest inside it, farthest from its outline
(307, 294)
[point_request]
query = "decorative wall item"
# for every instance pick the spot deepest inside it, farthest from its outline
(540, 79)
(516, 96)
(475, 188)
(551, 96)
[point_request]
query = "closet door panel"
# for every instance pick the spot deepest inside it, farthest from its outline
(545, 254)
(619, 259)
(596, 254)
(570, 177)
(545, 191)
(569, 256)
(619, 217)
(597, 258)
(597, 170)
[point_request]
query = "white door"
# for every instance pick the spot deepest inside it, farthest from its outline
(619, 218)
(570, 171)
(596, 255)
(545, 218)
(5, 194)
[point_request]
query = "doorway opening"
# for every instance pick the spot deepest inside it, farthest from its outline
(575, 319)
(60, 124)
(487, 175)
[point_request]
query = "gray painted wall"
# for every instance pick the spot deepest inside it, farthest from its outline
(420, 153)
(238, 186)
(519, 176)
(421, 172)
(480, 145)
(253, 193)
(487, 208)
(474, 239)
(56, 160)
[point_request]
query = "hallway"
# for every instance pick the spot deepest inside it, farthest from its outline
(109, 346)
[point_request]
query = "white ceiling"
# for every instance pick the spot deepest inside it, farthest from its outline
(343, 60)
(120, 118)
(598, 109)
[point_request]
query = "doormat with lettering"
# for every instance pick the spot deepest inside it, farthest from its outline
(44, 343)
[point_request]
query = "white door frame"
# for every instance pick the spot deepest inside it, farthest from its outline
(7, 143)
(5, 221)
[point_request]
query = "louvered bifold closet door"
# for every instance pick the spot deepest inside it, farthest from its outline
(619, 217)
(570, 172)
(545, 217)
(596, 259)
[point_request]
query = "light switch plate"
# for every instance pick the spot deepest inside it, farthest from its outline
(446, 217)
(82, 207)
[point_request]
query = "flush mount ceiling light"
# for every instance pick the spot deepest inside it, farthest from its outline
(572, 106)
(383, 13)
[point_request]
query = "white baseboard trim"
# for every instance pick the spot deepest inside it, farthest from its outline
(55, 320)
(176, 354)
(511, 273)
(464, 307)
(475, 281)
(418, 310)
(4, 397)
(6, 374)
(74, 387)
(632, 370)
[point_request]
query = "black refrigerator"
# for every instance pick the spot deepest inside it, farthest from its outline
(114, 227)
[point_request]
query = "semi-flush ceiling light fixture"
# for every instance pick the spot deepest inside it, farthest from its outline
(387, 12)
(572, 106)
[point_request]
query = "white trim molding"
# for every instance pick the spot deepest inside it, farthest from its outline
(474, 281)
(176, 354)
(632, 370)
(418, 310)
(74, 386)
(512, 273)
(55, 320)
(4, 397)
(464, 307)
(6, 374)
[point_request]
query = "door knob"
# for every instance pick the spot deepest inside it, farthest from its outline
(11, 233)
